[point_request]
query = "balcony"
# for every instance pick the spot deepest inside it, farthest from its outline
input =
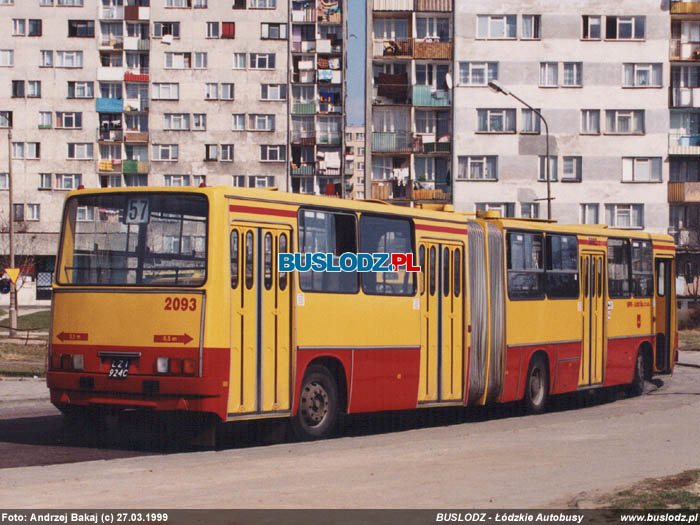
(685, 238)
(304, 15)
(305, 168)
(685, 7)
(303, 137)
(390, 190)
(112, 13)
(136, 74)
(109, 166)
(432, 50)
(135, 167)
(136, 104)
(109, 135)
(393, 48)
(134, 43)
(391, 89)
(684, 97)
(329, 139)
(426, 96)
(111, 42)
(684, 192)
(304, 108)
(304, 77)
(136, 136)
(109, 105)
(432, 143)
(684, 50)
(134, 12)
(111, 73)
(682, 144)
(392, 5)
(304, 46)
(434, 195)
(392, 142)
(443, 6)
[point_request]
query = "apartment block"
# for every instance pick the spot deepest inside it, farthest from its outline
(355, 162)
(116, 93)
(684, 141)
(410, 56)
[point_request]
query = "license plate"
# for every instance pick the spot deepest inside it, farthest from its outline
(119, 369)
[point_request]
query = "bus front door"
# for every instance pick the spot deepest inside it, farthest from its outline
(442, 321)
(594, 312)
(663, 313)
(260, 374)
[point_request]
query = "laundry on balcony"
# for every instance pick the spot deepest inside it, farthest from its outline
(105, 165)
(306, 65)
(333, 159)
(325, 75)
(323, 63)
(334, 63)
(393, 86)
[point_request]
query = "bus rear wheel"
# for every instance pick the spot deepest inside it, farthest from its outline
(537, 386)
(317, 415)
(639, 380)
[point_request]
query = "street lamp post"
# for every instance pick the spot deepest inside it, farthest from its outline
(498, 87)
(11, 234)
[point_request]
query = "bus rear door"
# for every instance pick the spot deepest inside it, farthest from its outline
(260, 375)
(663, 313)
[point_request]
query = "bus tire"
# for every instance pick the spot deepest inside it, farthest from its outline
(537, 386)
(638, 383)
(317, 415)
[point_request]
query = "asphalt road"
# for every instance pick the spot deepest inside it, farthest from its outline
(444, 459)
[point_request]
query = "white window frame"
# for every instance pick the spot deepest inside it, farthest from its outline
(577, 74)
(615, 215)
(7, 58)
(587, 121)
(553, 169)
(262, 4)
(486, 70)
(485, 29)
(176, 180)
(227, 91)
(531, 27)
(45, 181)
(261, 122)
(213, 30)
(487, 164)
(589, 213)
(279, 29)
(226, 152)
(81, 150)
(199, 60)
(68, 119)
(279, 151)
(19, 27)
(238, 122)
(530, 210)
(627, 20)
(586, 31)
(262, 60)
(546, 79)
(642, 169)
(490, 117)
(631, 115)
(654, 72)
(266, 90)
(163, 91)
(176, 121)
(165, 152)
(240, 60)
(211, 91)
(68, 181)
(69, 59)
(32, 212)
(571, 168)
(530, 122)
(199, 121)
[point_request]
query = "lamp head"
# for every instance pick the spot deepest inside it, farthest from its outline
(498, 87)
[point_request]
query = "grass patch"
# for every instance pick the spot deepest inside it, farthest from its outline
(3, 312)
(19, 359)
(689, 340)
(681, 491)
(34, 321)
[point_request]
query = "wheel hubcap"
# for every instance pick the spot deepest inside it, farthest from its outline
(536, 386)
(314, 404)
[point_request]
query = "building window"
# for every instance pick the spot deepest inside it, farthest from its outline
(161, 29)
(572, 74)
(571, 169)
(477, 73)
(261, 122)
(85, 214)
(625, 27)
(199, 122)
(273, 31)
(641, 169)
(553, 164)
(45, 119)
(530, 210)
(590, 121)
(211, 91)
(19, 27)
(496, 120)
(69, 120)
(277, 153)
(262, 60)
(166, 91)
(588, 213)
(226, 153)
(69, 59)
(7, 58)
(200, 60)
(5, 119)
(26, 212)
(176, 180)
(18, 212)
(238, 122)
(212, 29)
(81, 90)
(80, 150)
(260, 181)
(684, 170)
(167, 152)
(46, 58)
(176, 121)
(239, 60)
(436, 29)
(228, 30)
(33, 27)
(238, 181)
(18, 89)
(83, 28)
(592, 27)
(273, 92)
(478, 168)
(178, 60)
(530, 121)
(26, 150)
(69, 3)
(531, 27)
(642, 75)
(44, 181)
(624, 122)
(177, 3)
(263, 4)
(496, 26)
(624, 215)
(211, 152)
(549, 74)
(68, 181)
(506, 209)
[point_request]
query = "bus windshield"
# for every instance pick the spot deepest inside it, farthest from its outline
(134, 239)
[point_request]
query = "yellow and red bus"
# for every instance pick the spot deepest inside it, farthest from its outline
(170, 299)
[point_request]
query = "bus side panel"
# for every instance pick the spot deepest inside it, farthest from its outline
(527, 352)
(304, 357)
(567, 367)
(622, 353)
(513, 369)
(384, 379)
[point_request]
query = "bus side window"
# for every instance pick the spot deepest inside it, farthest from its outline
(421, 262)
(283, 249)
(599, 266)
(586, 280)
(642, 269)
(525, 265)
(432, 270)
(618, 268)
(445, 272)
(249, 260)
(234, 259)
(661, 278)
(562, 271)
(268, 261)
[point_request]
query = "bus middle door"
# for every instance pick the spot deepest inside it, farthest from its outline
(260, 375)
(594, 312)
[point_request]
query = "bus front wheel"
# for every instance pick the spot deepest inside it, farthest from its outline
(317, 414)
(537, 386)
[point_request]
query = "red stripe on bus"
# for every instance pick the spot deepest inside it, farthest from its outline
(592, 242)
(261, 211)
(442, 229)
(664, 247)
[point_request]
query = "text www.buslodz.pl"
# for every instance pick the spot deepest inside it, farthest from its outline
(346, 262)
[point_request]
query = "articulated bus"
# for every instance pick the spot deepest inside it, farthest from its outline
(170, 300)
